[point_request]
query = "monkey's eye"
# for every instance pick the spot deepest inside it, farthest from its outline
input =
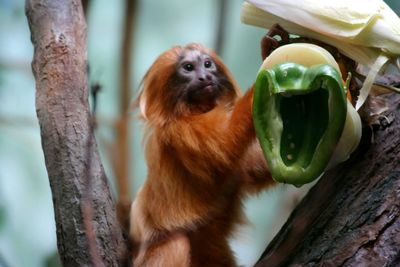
(188, 67)
(208, 64)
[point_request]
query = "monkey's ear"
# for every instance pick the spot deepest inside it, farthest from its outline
(141, 101)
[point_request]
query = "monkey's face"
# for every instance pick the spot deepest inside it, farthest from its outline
(200, 79)
(184, 81)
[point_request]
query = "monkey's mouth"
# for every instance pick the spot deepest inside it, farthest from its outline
(202, 95)
(210, 87)
(205, 90)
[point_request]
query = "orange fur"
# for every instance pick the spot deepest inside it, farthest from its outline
(201, 161)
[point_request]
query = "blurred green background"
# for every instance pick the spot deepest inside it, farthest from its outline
(27, 227)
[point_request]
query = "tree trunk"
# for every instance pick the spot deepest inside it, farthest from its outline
(351, 217)
(58, 33)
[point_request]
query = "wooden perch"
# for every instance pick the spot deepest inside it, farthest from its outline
(351, 217)
(58, 33)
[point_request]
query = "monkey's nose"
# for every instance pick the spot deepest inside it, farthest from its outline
(205, 77)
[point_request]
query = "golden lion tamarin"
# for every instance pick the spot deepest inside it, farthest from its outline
(202, 158)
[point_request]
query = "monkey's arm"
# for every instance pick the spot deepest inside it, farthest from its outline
(215, 141)
(253, 170)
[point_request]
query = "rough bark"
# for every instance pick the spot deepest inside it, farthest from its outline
(58, 34)
(351, 217)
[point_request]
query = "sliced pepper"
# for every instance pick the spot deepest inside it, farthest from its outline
(299, 115)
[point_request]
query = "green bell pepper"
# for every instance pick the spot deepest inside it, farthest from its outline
(299, 115)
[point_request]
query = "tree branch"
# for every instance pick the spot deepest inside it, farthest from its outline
(121, 157)
(220, 32)
(85, 6)
(351, 217)
(58, 33)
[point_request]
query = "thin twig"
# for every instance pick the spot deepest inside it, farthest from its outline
(122, 160)
(85, 6)
(87, 203)
(220, 33)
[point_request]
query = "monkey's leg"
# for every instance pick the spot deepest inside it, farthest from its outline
(174, 251)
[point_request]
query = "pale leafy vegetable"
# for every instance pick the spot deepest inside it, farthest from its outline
(367, 32)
